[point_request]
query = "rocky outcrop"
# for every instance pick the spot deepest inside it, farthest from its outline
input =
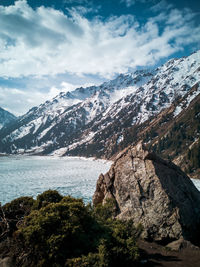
(151, 192)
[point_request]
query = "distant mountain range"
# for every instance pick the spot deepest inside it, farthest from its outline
(6, 117)
(153, 105)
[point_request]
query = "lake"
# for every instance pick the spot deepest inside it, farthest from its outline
(31, 175)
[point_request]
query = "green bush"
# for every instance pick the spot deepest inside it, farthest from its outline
(68, 233)
(106, 211)
(122, 246)
(117, 248)
(19, 207)
(49, 196)
(92, 259)
(59, 231)
(14, 213)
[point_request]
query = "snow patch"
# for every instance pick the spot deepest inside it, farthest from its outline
(59, 152)
(120, 139)
(196, 182)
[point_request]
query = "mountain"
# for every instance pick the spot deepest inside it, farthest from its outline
(62, 121)
(172, 81)
(102, 120)
(5, 117)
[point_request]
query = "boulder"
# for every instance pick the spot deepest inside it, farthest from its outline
(152, 192)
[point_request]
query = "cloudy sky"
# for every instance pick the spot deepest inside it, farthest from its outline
(51, 46)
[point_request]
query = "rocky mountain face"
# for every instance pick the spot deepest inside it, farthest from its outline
(174, 138)
(6, 117)
(102, 120)
(151, 192)
(179, 139)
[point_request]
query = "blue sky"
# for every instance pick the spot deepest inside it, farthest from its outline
(51, 46)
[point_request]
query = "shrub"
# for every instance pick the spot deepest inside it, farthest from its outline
(92, 259)
(18, 207)
(68, 233)
(117, 248)
(106, 211)
(49, 196)
(15, 211)
(59, 231)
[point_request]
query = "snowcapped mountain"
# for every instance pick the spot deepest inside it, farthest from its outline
(170, 82)
(93, 121)
(5, 117)
(57, 123)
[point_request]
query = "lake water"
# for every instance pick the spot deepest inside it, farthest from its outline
(31, 175)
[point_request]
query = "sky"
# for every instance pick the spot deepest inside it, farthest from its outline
(47, 47)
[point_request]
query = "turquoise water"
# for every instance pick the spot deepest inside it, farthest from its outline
(31, 175)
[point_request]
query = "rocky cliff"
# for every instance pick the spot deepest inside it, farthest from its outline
(152, 192)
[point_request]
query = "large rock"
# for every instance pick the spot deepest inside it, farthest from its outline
(151, 192)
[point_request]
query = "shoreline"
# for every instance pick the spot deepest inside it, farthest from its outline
(49, 156)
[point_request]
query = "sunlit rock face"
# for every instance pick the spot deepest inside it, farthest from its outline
(151, 192)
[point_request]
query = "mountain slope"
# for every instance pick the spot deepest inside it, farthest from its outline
(172, 81)
(5, 117)
(172, 137)
(59, 122)
(181, 140)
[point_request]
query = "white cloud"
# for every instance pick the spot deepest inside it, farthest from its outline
(67, 87)
(45, 41)
(19, 101)
(128, 2)
(161, 5)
